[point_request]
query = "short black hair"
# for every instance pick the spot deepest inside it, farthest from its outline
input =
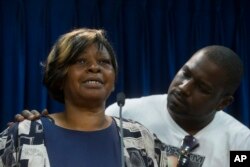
(229, 61)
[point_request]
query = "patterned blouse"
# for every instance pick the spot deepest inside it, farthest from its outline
(23, 144)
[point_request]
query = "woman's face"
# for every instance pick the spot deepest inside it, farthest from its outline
(91, 78)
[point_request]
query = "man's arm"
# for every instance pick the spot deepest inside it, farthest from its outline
(112, 110)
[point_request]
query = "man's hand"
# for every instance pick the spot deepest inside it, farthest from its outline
(30, 115)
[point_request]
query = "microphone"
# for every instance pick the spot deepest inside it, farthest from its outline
(120, 98)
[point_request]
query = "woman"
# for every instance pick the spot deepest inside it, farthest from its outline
(80, 72)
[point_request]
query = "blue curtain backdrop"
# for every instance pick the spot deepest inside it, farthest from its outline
(152, 39)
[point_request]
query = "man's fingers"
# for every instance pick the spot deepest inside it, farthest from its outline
(28, 115)
(19, 118)
(9, 124)
(45, 112)
(36, 114)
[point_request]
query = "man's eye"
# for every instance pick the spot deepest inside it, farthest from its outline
(204, 90)
(186, 74)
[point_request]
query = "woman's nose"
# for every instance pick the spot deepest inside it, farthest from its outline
(94, 67)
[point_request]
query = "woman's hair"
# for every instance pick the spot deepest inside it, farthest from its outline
(65, 52)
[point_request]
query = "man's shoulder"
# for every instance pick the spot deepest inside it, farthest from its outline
(153, 97)
(238, 134)
(137, 104)
(145, 100)
(231, 123)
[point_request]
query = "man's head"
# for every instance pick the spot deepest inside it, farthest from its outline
(205, 84)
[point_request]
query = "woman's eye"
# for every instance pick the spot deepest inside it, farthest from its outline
(80, 61)
(105, 61)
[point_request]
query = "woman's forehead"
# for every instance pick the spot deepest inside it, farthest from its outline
(96, 48)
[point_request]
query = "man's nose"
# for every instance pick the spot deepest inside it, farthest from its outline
(186, 87)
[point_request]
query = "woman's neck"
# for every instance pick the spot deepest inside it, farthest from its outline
(82, 119)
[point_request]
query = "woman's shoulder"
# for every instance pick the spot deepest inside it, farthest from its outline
(19, 133)
(134, 129)
(25, 130)
(138, 137)
(129, 124)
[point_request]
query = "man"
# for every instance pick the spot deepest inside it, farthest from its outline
(199, 92)
(194, 105)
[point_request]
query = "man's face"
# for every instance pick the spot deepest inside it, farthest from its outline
(197, 91)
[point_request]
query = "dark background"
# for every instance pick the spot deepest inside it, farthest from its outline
(152, 39)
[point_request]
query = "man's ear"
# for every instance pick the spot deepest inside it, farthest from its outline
(225, 101)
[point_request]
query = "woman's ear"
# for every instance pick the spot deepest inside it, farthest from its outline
(225, 101)
(61, 86)
(113, 86)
